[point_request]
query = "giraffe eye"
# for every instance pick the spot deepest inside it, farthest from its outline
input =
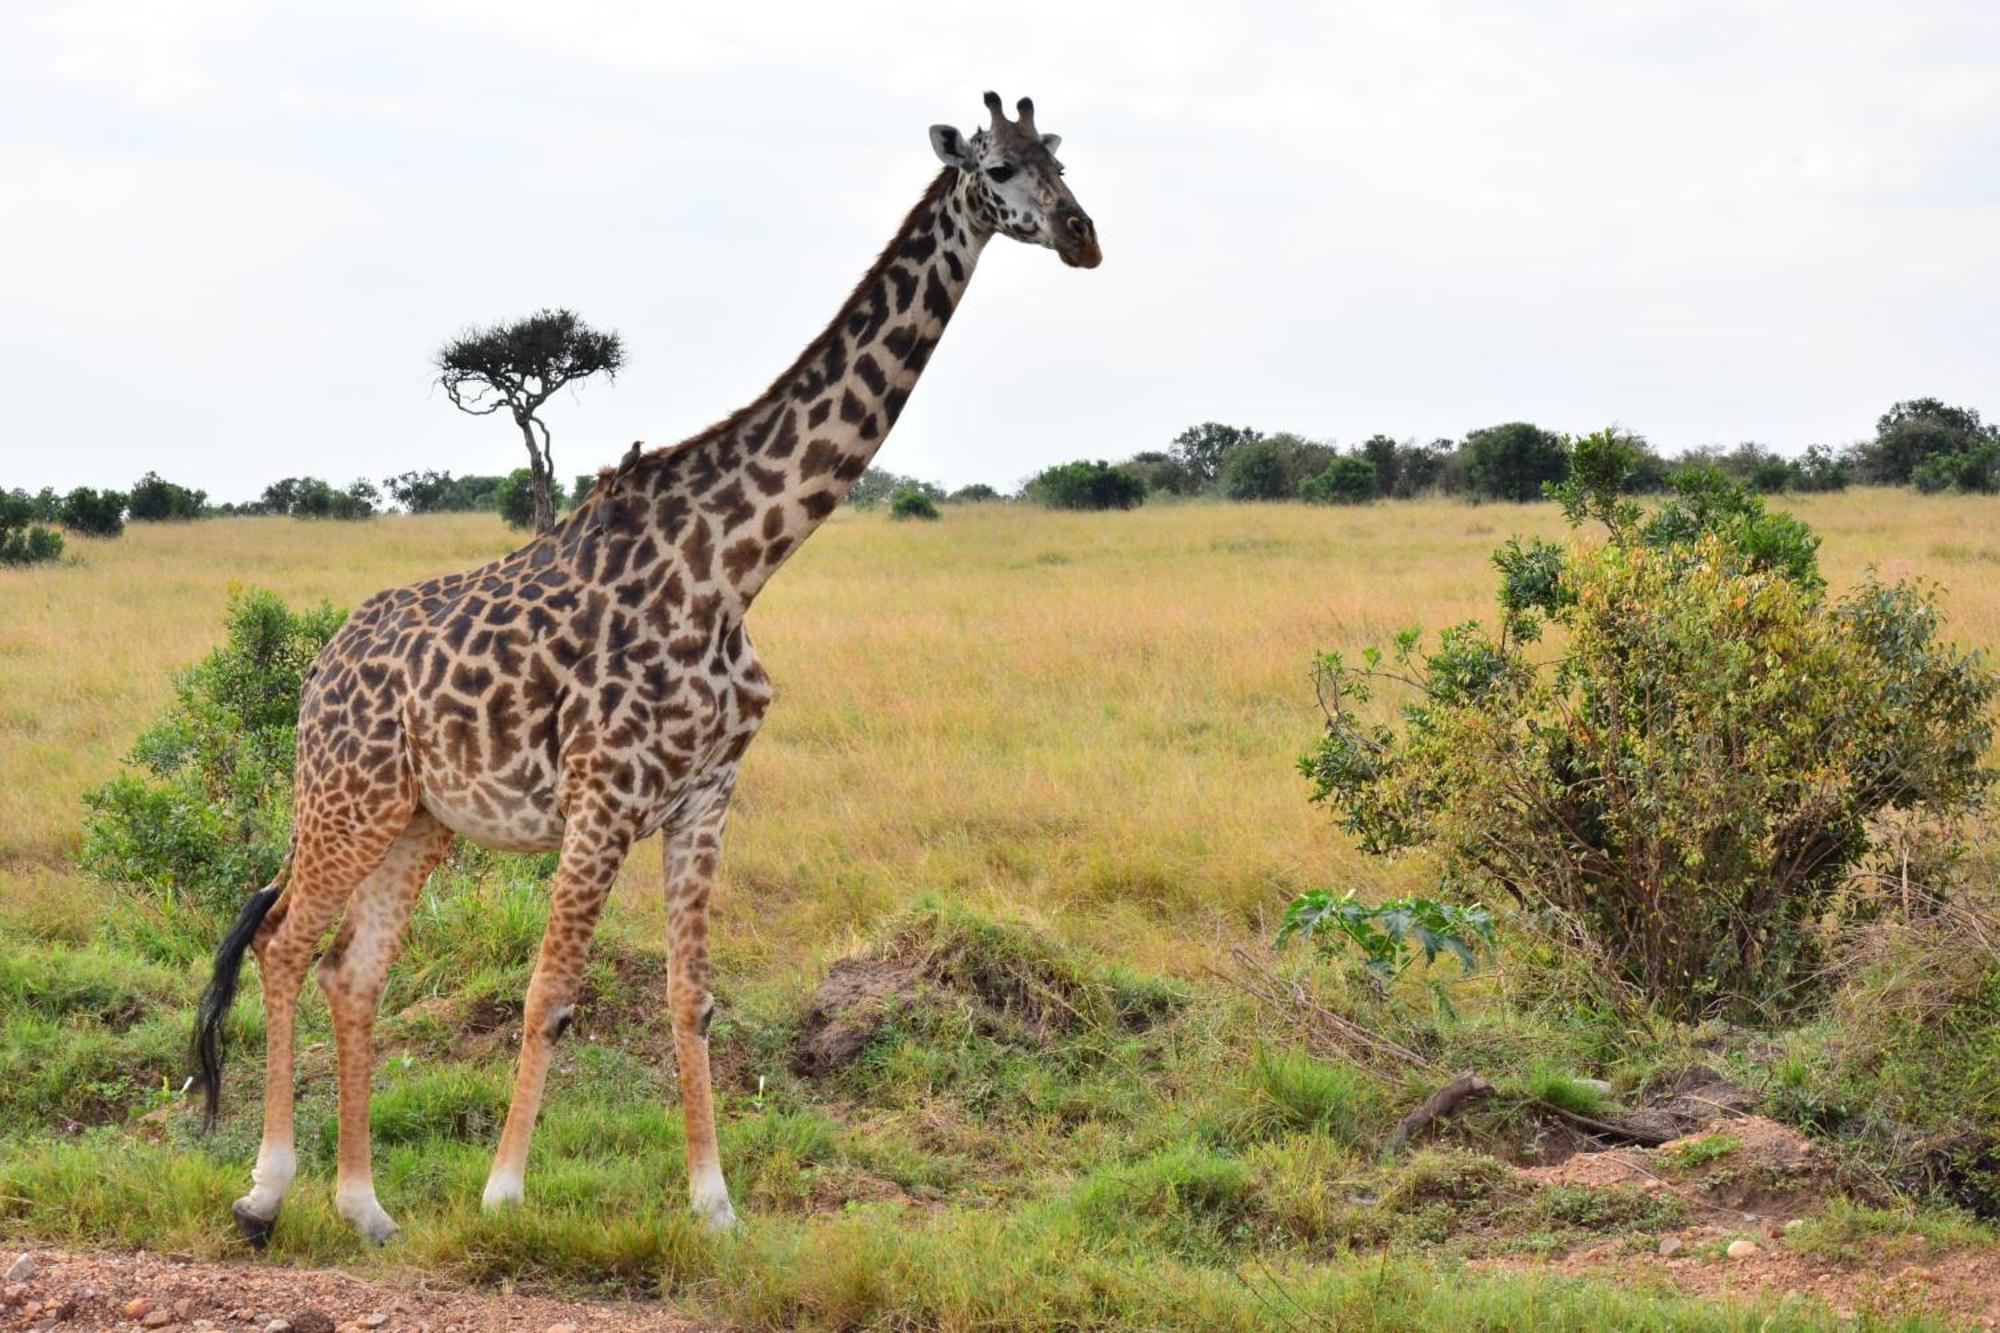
(1001, 174)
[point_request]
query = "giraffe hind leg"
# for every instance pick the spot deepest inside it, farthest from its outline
(322, 878)
(353, 973)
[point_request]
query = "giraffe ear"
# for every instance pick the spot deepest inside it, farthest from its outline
(949, 145)
(1052, 141)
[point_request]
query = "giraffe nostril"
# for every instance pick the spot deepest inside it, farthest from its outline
(1078, 224)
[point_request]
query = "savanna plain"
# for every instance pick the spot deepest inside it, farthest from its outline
(1032, 776)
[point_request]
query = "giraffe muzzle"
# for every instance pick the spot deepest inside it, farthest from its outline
(1076, 241)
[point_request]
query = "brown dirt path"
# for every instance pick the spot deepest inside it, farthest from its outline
(71, 1292)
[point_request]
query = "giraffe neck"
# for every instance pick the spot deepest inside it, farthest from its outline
(740, 497)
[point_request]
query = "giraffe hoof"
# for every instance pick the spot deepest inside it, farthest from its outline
(367, 1218)
(716, 1215)
(256, 1230)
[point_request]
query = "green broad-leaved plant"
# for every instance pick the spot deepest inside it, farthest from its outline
(1675, 743)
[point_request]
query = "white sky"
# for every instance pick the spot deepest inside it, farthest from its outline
(231, 234)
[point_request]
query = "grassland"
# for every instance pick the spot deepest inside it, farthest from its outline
(1065, 742)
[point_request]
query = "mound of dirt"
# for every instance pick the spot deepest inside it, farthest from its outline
(1021, 987)
(1749, 1164)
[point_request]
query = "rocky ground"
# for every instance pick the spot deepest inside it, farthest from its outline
(53, 1290)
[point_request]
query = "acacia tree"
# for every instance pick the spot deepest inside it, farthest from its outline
(520, 366)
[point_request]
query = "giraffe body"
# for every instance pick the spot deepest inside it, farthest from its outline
(594, 688)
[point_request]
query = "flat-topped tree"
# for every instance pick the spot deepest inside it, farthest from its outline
(520, 366)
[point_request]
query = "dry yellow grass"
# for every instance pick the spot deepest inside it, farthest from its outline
(1073, 718)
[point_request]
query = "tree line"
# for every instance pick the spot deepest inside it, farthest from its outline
(1922, 442)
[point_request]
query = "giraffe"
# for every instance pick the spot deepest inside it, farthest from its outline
(592, 689)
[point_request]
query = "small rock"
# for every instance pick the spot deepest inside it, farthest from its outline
(12, 1294)
(1671, 1246)
(1796, 1224)
(60, 1310)
(1743, 1249)
(373, 1319)
(1596, 1085)
(157, 1319)
(278, 1326)
(21, 1269)
(183, 1308)
(560, 1328)
(137, 1308)
(312, 1321)
(31, 1309)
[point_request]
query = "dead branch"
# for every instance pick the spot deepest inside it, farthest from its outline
(1443, 1102)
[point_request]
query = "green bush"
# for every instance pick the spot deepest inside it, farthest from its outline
(1685, 787)
(515, 498)
(205, 809)
(93, 513)
(23, 539)
(1514, 461)
(910, 502)
(154, 499)
(1350, 481)
(1086, 485)
(1975, 471)
(310, 497)
(1256, 471)
(977, 493)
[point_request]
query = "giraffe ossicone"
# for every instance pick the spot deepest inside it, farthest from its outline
(591, 689)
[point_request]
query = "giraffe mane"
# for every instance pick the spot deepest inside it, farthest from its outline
(940, 185)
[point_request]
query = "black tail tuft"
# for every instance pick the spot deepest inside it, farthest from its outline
(221, 993)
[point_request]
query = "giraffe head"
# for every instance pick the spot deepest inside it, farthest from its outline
(1014, 185)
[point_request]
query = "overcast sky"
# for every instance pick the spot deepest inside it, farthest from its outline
(232, 234)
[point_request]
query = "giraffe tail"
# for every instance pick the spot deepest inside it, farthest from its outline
(206, 1047)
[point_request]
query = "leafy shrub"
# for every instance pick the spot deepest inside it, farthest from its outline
(1086, 485)
(977, 493)
(515, 498)
(93, 513)
(23, 539)
(1514, 461)
(1350, 481)
(205, 809)
(1383, 932)
(1975, 471)
(1687, 785)
(1200, 449)
(431, 492)
(1256, 471)
(912, 503)
(154, 499)
(1913, 433)
(310, 497)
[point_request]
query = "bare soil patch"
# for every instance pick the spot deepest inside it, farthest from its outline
(70, 1291)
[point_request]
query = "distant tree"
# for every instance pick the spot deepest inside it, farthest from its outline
(1386, 456)
(1821, 469)
(1420, 468)
(515, 498)
(426, 492)
(580, 488)
(1512, 461)
(154, 499)
(1161, 474)
(1918, 430)
(909, 502)
(23, 539)
(1353, 480)
(93, 513)
(1257, 471)
(878, 484)
(977, 493)
(1086, 484)
(1200, 448)
(519, 366)
(1974, 471)
(310, 497)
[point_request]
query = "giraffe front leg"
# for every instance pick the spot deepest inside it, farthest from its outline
(591, 854)
(691, 856)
